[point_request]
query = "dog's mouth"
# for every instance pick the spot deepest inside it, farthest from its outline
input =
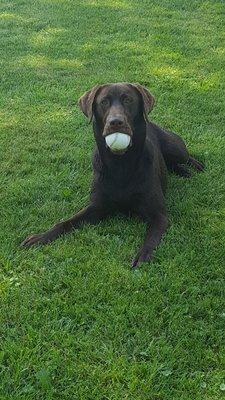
(118, 141)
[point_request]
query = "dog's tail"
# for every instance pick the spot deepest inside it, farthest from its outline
(196, 164)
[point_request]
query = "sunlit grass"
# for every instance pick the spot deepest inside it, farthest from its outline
(40, 61)
(5, 16)
(46, 36)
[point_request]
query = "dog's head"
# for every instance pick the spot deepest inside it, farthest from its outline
(117, 107)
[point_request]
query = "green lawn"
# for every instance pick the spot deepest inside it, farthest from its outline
(75, 321)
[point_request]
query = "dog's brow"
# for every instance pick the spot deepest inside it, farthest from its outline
(126, 95)
(103, 96)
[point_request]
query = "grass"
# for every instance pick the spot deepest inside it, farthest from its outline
(75, 322)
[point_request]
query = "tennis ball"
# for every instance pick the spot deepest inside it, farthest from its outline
(117, 141)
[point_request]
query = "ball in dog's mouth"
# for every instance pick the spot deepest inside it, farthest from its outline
(118, 142)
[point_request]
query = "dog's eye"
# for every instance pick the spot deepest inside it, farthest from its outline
(104, 102)
(127, 100)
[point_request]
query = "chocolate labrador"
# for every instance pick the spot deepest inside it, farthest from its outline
(132, 181)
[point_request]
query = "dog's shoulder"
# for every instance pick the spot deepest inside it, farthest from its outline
(97, 164)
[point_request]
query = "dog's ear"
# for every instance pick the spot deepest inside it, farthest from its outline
(86, 101)
(147, 97)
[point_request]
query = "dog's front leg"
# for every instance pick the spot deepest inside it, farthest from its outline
(91, 214)
(156, 227)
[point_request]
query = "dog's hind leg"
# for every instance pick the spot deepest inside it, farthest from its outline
(175, 152)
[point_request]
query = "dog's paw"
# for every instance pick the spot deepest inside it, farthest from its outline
(182, 171)
(142, 256)
(199, 166)
(35, 240)
(196, 164)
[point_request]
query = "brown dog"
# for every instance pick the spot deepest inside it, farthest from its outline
(132, 181)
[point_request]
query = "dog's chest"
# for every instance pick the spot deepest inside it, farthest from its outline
(124, 191)
(122, 184)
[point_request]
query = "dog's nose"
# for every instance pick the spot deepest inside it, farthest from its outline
(114, 122)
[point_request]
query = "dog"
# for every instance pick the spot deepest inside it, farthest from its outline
(132, 181)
